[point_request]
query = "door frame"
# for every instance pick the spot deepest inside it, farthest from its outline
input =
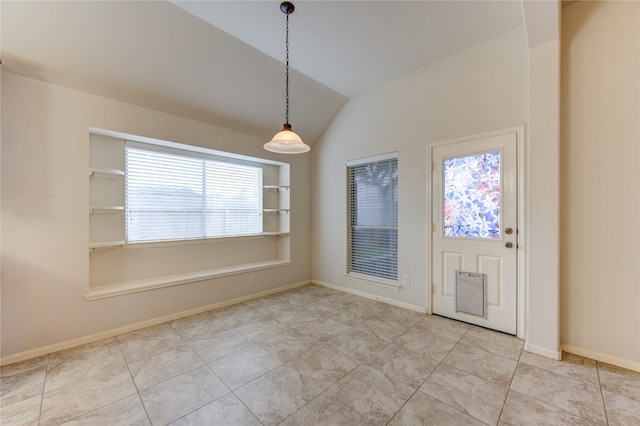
(522, 221)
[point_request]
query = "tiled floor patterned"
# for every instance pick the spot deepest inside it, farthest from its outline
(314, 356)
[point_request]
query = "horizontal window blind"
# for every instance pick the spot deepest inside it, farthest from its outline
(169, 196)
(373, 218)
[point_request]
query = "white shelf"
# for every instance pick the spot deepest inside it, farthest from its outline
(105, 209)
(105, 172)
(105, 244)
(274, 211)
(275, 188)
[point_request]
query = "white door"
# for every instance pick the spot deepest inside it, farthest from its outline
(474, 235)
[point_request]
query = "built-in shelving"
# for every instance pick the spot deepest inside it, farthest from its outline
(118, 267)
(105, 209)
(275, 188)
(105, 245)
(276, 205)
(106, 192)
(105, 172)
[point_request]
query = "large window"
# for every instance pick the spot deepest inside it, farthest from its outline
(177, 195)
(373, 217)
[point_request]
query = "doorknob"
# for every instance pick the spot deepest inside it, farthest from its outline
(508, 244)
(508, 231)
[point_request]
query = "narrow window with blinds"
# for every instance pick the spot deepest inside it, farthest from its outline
(179, 195)
(373, 217)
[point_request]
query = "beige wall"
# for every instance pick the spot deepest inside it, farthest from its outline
(480, 89)
(44, 189)
(45, 228)
(600, 241)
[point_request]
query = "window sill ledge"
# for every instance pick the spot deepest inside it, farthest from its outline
(150, 244)
(136, 286)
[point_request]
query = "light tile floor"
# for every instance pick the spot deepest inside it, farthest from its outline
(314, 356)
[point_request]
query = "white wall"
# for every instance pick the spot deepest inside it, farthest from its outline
(600, 272)
(542, 248)
(480, 89)
(543, 181)
(45, 228)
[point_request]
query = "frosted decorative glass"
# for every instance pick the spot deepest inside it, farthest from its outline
(472, 196)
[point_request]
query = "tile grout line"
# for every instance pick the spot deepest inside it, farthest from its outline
(137, 392)
(281, 365)
(428, 375)
(564, 378)
(204, 364)
(350, 371)
(333, 384)
(434, 369)
(245, 405)
(44, 384)
(232, 391)
(126, 362)
(186, 344)
(418, 387)
(509, 386)
(604, 405)
(361, 351)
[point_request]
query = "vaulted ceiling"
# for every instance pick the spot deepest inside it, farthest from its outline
(222, 61)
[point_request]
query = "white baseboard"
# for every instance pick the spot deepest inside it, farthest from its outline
(597, 356)
(68, 344)
(538, 350)
(372, 296)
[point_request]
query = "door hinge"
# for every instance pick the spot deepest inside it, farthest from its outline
(431, 227)
(430, 166)
(431, 288)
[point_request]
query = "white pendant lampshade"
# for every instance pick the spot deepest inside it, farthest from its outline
(286, 141)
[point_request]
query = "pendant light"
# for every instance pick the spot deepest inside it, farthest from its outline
(286, 141)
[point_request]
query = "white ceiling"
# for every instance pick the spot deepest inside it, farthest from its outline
(351, 46)
(221, 61)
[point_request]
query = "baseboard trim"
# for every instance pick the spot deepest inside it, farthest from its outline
(539, 350)
(597, 356)
(372, 296)
(68, 344)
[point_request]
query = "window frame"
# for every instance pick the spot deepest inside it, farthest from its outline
(199, 154)
(374, 279)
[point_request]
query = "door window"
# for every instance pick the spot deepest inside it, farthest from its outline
(471, 205)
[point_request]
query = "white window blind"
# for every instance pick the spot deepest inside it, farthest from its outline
(373, 218)
(173, 195)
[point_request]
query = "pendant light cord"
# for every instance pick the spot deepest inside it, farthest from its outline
(286, 141)
(287, 72)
